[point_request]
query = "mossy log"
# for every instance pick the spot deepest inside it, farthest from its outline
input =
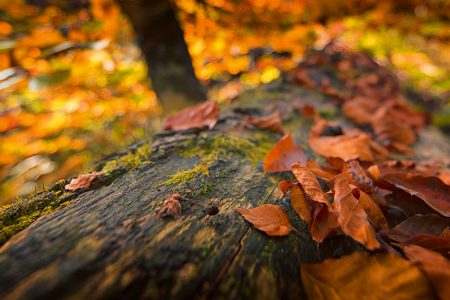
(108, 242)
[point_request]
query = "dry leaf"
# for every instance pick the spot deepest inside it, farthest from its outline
(271, 122)
(376, 217)
(171, 206)
(364, 276)
(301, 205)
(319, 171)
(344, 146)
(435, 243)
(309, 183)
(360, 110)
(323, 223)
(284, 186)
(419, 224)
(268, 218)
(435, 266)
(351, 216)
(198, 116)
(81, 182)
(390, 129)
(283, 155)
(431, 190)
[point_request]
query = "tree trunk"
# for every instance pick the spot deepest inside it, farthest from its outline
(162, 43)
(107, 242)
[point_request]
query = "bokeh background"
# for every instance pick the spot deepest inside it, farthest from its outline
(74, 87)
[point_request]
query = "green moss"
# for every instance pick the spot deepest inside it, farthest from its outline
(211, 148)
(128, 161)
(187, 175)
(19, 215)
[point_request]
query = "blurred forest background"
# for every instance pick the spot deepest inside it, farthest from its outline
(74, 86)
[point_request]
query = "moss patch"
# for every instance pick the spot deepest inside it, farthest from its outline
(187, 175)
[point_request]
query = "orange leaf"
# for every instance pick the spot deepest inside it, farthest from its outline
(323, 223)
(390, 129)
(271, 122)
(198, 116)
(360, 110)
(309, 183)
(372, 210)
(301, 205)
(364, 276)
(431, 190)
(319, 171)
(435, 266)
(283, 155)
(268, 218)
(81, 182)
(344, 146)
(284, 186)
(351, 216)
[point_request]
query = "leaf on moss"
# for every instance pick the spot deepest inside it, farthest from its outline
(268, 218)
(81, 182)
(198, 116)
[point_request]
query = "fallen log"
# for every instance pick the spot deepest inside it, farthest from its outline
(107, 241)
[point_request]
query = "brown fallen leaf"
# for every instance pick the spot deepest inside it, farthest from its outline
(435, 243)
(364, 276)
(373, 211)
(320, 171)
(309, 183)
(271, 122)
(344, 146)
(198, 116)
(435, 266)
(301, 205)
(351, 216)
(358, 176)
(283, 155)
(81, 182)
(284, 186)
(268, 218)
(323, 222)
(431, 190)
(170, 207)
(419, 224)
(390, 129)
(360, 110)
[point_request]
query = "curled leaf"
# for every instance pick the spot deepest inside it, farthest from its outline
(284, 186)
(376, 217)
(171, 206)
(361, 276)
(309, 183)
(351, 216)
(301, 205)
(81, 182)
(268, 218)
(198, 116)
(283, 155)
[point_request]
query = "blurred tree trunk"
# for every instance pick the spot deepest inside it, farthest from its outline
(162, 43)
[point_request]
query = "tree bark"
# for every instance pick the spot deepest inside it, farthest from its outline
(107, 242)
(161, 39)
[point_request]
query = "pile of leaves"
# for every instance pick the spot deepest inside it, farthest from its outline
(397, 210)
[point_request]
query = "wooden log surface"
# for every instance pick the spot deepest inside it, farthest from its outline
(107, 242)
